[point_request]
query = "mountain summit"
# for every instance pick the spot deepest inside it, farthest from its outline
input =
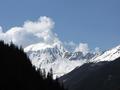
(108, 55)
(62, 61)
(55, 56)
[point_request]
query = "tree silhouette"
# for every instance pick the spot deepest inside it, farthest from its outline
(17, 72)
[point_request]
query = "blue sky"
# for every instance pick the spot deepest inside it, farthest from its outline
(96, 22)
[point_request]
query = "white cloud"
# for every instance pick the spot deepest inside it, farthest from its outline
(41, 25)
(73, 47)
(31, 32)
(82, 47)
(39, 31)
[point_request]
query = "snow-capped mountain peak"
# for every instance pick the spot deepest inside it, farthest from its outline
(109, 55)
(44, 53)
(55, 56)
(62, 61)
(36, 47)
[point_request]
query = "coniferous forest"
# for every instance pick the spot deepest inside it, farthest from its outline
(17, 72)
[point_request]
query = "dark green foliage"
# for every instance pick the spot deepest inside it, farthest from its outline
(17, 72)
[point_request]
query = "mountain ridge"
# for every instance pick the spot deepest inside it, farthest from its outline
(62, 61)
(55, 56)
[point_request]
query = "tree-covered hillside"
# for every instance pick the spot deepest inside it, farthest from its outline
(17, 72)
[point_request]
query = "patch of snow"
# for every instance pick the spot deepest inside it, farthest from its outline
(109, 55)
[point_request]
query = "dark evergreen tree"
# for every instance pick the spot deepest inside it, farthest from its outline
(17, 72)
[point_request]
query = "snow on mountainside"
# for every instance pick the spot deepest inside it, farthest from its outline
(42, 53)
(56, 57)
(109, 55)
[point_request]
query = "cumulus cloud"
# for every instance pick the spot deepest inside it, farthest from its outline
(42, 24)
(31, 32)
(73, 47)
(82, 47)
(39, 31)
